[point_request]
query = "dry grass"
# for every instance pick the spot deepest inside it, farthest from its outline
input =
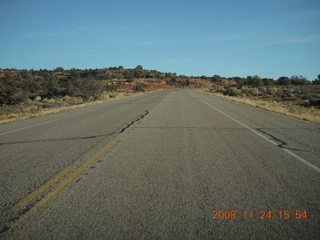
(32, 110)
(288, 108)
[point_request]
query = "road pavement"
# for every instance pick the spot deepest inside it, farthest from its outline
(174, 164)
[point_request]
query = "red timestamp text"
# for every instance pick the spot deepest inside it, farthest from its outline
(259, 215)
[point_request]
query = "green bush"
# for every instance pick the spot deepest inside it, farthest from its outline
(255, 81)
(299, 80)
(233, 91)
(254, 91)
(283, 81)
(113, 95)
(247, 91)
(272, 90)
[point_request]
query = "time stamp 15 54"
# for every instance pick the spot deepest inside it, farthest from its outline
(259, 215)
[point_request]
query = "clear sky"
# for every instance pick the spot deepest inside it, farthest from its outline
(270, 38)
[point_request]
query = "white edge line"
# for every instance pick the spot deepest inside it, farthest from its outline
(264, 137)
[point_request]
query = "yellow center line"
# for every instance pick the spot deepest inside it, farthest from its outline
(23, 202)
(26, 217)
(64, 183)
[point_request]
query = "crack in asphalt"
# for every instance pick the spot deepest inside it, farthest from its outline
(58, 139)
(8, 217)
(78, 138)
(134, 121)
(280, 143)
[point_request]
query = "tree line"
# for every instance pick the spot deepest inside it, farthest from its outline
(17, 86)
(256, 81)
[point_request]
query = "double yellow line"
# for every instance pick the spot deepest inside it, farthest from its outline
(23, 202)
(64, 183)
(75, 172)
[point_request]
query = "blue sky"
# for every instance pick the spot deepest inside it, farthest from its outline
(270, 38)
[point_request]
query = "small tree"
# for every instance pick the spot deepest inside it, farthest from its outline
(90, 88)
(283, 81)
(69, 88)
(139, 67)
(59, 69)
(255, 81)
(317, 80)
(299, 80)
(215, 78)
(268, 81)
(53, 88)
(10, 93)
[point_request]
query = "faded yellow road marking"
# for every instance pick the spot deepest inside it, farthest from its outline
(26, 217)
(23, 202)
(64, 183)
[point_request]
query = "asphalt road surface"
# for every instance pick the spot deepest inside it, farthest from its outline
(174, 164)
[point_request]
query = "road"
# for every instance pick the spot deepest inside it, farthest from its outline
(158, 166)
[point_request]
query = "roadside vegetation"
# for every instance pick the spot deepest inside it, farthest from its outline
(295, 96)
(31, 93)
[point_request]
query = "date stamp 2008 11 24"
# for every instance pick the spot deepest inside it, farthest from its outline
(259, 215)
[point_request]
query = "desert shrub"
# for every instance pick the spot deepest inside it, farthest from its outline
(263, 90)
(138, 88)
(288, 92)
(111, 88)
(53, 104)
(129, 75)
(90, 89)
(52, 87)
(283, 81)
(172, 81)
(244, 91)
(12, 95)
(218, 89)
(255, 81)
(279, 92)
(233, 91)
(216, 78)
(317, 80)
(299, 80)
(139, 67)
(73, 100)
(254, 91)
(59, 69)
(138, 73)
(268, 81)
(272, 90)
(247, 91)
(113, 94)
